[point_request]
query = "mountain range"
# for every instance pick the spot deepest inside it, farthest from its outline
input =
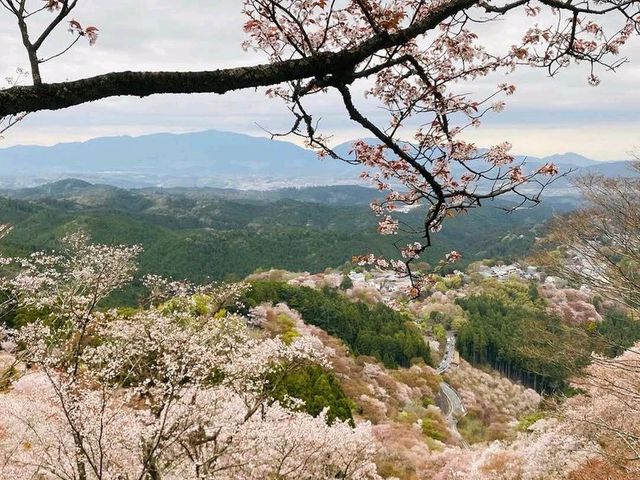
(205, 159)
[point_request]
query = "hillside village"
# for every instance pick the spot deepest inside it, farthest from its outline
(390, 282)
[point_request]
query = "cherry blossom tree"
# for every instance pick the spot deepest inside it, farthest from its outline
(598, 245)
(608, 411)
(410, 58)
(421, 157)
(549, 450)
(178, 390)
(328, 38)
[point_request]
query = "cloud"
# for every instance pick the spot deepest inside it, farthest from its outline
(545, 116)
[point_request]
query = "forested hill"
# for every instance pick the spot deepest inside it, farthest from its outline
(86, 192)
(202, 233)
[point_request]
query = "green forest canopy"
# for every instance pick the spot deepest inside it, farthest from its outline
(374, 330)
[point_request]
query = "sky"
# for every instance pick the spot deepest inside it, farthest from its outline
(546, 116)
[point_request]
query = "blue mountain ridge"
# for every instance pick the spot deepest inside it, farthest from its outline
(204, 158)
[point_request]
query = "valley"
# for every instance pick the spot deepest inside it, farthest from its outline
(320, 240)
(471, 362)
(200, 234)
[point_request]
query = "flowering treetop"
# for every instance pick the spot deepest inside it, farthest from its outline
(316, 39)
(179, 390)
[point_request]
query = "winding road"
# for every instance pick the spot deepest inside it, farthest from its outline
(456, 408)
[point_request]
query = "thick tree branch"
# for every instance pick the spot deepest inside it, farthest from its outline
(66, 94)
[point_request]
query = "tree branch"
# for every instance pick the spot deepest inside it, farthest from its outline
(66, 94)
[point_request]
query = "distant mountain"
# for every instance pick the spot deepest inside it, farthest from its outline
(191, 159)
(570, 160)
(565, 161)
(613, 169)
(203, 159)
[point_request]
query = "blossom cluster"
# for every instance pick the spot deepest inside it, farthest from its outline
(173, 390)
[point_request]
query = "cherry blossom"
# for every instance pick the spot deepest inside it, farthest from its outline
(181, 389)
(420, 156)
(90, 32)
(454, 256)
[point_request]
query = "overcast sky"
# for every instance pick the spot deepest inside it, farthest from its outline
(546, 116)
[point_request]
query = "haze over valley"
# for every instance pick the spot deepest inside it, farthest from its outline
(209, 159)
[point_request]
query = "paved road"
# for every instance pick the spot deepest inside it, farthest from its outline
(455, 403)
(449, 353)
(456, 408)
